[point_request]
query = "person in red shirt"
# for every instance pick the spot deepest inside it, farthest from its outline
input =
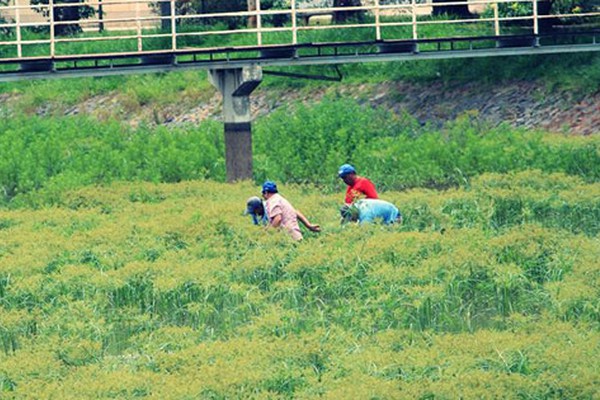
(359, 187)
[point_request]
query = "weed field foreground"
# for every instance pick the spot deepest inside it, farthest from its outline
(166, 291)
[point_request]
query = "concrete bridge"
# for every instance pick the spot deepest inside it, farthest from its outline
(235, 46)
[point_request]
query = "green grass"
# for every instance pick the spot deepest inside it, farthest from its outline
(137, 288)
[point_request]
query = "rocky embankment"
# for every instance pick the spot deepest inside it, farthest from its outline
(521, 104)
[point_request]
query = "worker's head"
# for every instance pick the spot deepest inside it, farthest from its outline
(347, 173)
(269, 188)
(398, 219)
(349, 213)
(254, 206)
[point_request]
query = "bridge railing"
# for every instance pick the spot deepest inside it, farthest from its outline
(150, 27)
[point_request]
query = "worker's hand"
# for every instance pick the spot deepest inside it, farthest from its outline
(314, 228)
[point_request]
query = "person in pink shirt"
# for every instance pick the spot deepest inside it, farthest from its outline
(358, 188)
(282, 214)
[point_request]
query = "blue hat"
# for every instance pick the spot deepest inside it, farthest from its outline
(269, 187)
(345, 170)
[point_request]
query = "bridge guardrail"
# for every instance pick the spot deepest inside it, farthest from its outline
(177, 30)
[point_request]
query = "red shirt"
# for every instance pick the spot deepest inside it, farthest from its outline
(361, 189)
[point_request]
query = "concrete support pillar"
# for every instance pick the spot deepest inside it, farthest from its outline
(236, 85)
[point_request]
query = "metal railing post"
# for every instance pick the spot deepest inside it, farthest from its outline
(51, 11)
(138, 26)
(414, 18)
(173, 27)
(496, 20)
(18, 22)
(377, 21)
(294, 24)
(536, 29)
(100, 17)
(258, 23)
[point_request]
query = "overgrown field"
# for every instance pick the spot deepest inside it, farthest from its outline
(143, 290)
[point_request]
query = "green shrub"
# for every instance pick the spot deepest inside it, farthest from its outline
(307, 144)
(62, 153)
(41, 157)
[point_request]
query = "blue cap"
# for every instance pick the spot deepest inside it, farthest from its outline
(345, 170)
(269, 187)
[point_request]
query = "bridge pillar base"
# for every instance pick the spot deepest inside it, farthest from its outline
(236, 85)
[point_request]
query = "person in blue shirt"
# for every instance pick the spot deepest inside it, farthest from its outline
(371, 210)
(256, 209)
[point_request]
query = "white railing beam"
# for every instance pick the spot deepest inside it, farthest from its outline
(173, 26)
(18, 29)
(294, 23)
(377, 21)
(258, 23)
(496, 20)
(52, 27)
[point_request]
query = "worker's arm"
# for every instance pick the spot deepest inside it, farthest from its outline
(276, 221)
(349, 196)
(275, 216)
(306, 222)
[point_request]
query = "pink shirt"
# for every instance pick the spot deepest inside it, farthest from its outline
(277, 205)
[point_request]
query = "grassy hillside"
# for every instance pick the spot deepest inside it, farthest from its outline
(167, 291)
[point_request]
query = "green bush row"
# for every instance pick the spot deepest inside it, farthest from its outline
(42, 157)
(310, 142)
(60, 153)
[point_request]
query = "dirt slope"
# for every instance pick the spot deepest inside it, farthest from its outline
(522, 104)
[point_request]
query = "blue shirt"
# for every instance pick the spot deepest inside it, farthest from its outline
(371, 209)
(259, 220)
